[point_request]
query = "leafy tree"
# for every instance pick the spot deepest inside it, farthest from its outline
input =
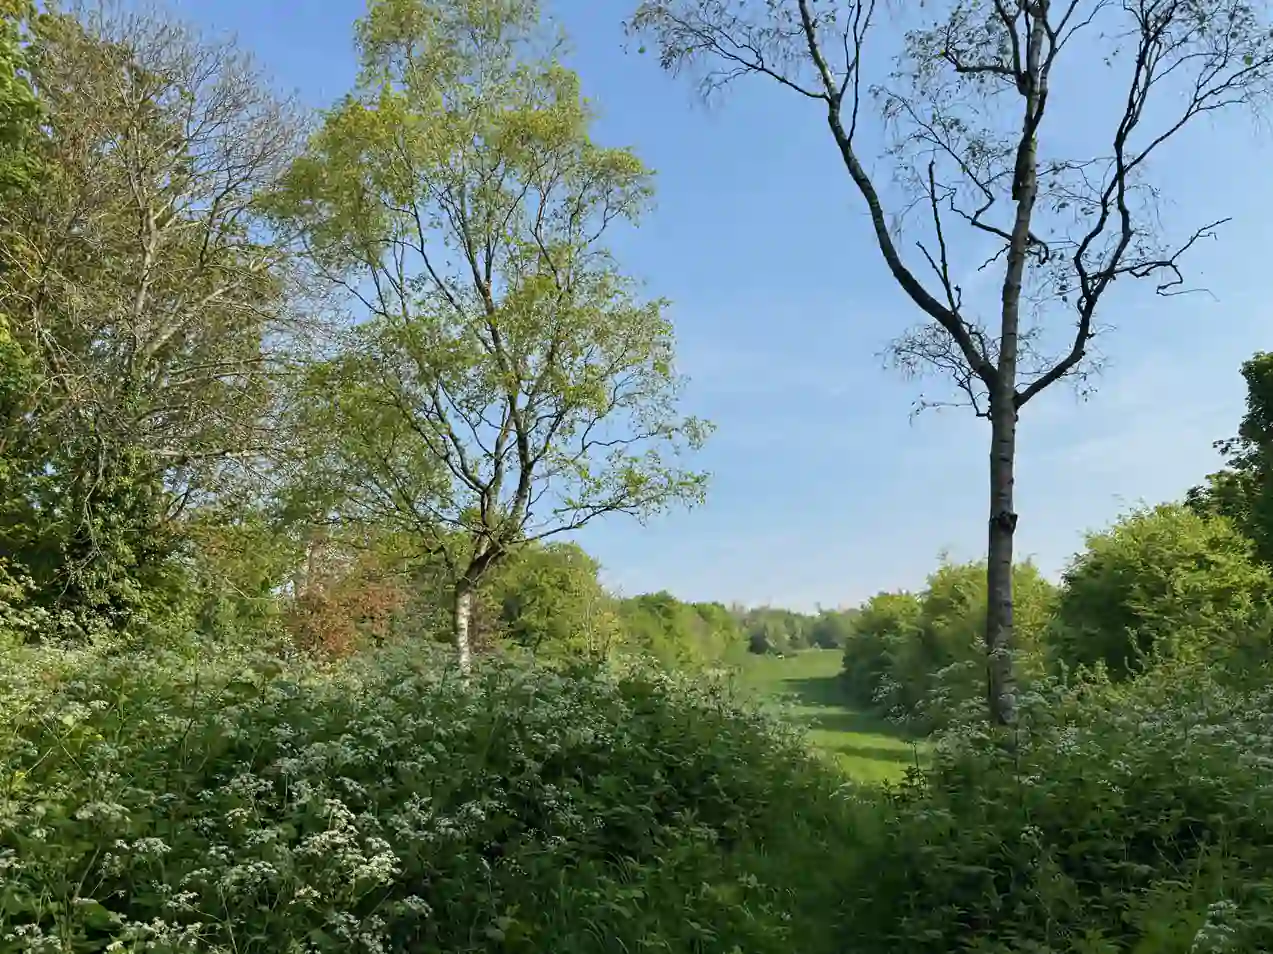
(20, 110)
(505, 384)
(917, 656)
(886, 621)
(676, 633)
(831, 629)
(19, 375)
(771, 629)
(722, 638)
(141, 299)
(971, 106)
(548, 599)
(1243, 490)
(240, 559)
(1163, 580)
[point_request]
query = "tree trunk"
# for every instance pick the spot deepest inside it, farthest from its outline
(1001, 684)
(462, 615)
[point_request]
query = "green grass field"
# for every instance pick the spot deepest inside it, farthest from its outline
(807, 688)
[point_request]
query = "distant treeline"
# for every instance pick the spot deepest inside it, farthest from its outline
(550, 599)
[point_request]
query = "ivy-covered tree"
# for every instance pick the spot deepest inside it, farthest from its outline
(141, 299)
(505, 382)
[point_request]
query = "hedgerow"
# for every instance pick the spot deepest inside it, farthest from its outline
(170, 803)
(1135, 819)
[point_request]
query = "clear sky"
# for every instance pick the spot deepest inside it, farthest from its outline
(825, 489)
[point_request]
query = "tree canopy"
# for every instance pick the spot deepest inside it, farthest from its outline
(505, 382)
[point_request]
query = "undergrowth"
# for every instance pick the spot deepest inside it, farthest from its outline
(252, 805)
(1135, 819)
(168, 803)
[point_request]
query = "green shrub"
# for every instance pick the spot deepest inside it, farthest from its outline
(1163, 581)
(1125, 820)
(254, 805)
(920, 658)
(549, 600)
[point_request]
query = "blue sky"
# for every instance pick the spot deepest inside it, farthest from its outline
(825, 488)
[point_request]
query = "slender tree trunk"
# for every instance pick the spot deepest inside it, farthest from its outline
(1001, 684)
(461, 619)
(1001, 681)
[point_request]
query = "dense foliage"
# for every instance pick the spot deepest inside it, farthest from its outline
(1243, 490)
(258, 805)
(918, 657)
(283, 414)
(1133, 820)
(1162, 582)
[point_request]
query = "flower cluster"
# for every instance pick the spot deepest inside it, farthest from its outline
(173, 803)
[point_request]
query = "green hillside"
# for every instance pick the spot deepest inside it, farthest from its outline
(806, 687)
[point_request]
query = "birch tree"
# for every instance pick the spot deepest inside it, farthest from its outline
(969, 102)
(505, 382)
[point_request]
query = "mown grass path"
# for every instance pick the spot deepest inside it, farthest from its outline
(807, 687)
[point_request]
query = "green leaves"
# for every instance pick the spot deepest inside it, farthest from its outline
(20, 109)
(241, 802)
(144, 305)
(1243, 491)
(457, 200)
(921, 656)
(1112, 824)
(1165, 582)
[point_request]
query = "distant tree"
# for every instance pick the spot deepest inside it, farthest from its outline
(548, 599)
(977, 145)
(679, 634)
(506, 383)
(1162, 581)
(1243, 490)
(773, 630)
(831, 629)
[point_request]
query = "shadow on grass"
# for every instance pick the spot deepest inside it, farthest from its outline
(873, 753)
(841, 720)
(817, 690)
(827, 692)
(811, 693)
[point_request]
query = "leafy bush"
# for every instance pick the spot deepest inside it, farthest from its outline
(920, 657)
(20, 620)
(1135, 819)
(549, 600)
(1163, 581)
(886, 621)
(680, 635)
(257, 805)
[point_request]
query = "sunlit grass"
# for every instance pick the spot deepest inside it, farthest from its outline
(807, 688)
